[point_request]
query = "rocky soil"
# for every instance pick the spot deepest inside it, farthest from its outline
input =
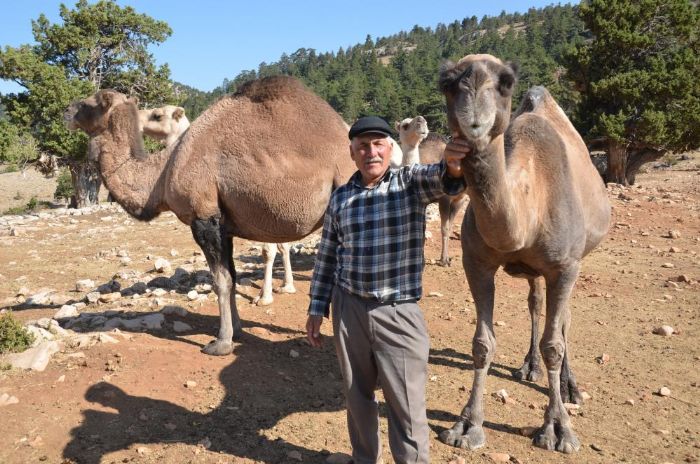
(121, 310)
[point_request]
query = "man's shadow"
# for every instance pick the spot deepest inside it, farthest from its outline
(263, 386)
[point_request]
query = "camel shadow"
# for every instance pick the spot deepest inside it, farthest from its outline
(263, 385)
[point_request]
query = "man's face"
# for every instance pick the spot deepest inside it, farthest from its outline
(371, 153)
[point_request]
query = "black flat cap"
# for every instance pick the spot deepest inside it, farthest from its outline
(370, 124)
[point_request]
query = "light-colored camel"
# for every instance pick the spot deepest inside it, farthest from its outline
(537, 207)
(259, 164)
(421, 146)
(165, 123)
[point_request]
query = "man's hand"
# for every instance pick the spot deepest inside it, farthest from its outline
(313, 330)
(455, 151)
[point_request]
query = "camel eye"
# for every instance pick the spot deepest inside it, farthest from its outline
(404, 126)
(156, 117)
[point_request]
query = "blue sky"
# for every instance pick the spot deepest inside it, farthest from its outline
(213, 40)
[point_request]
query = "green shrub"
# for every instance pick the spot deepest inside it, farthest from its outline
(64, 185)
(17, 148)
(14, 338)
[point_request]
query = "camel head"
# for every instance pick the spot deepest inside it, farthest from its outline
(478, 90)
(165, 123)
(412, 131)
(92, 114)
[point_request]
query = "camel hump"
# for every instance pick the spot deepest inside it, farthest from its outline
(532, 99)
(271, 88)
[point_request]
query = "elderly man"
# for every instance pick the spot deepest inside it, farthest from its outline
(369, 266)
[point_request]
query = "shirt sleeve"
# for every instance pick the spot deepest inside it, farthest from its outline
(431, 181)
(323, 277)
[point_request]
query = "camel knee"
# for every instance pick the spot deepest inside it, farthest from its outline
(552, 353)
(483, 350)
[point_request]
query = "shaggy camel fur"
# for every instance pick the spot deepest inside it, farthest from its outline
(259, 164)
(166, 123)
(537, 207)
(421, 146)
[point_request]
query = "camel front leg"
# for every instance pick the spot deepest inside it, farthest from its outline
(264, 298)
(556, 433)
(288, 285)
(445, 206)
(531, 369)
(210, 235)
(468, 431)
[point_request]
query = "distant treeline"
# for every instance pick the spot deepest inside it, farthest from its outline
(396, 76)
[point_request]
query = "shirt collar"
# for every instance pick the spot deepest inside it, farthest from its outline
(356, 179)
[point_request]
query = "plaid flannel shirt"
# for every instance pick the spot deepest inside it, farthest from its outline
(373, 237)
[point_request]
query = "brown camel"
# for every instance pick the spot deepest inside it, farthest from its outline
(421, 146)
(166, 123)
(259, 164)
(537, 207)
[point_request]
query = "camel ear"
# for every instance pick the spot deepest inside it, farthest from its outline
(448, 76)
(178, 113)
(506, 81)
(134, 100)
(397, 126)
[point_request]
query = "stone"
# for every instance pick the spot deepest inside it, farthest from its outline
(500, 323)
(664, 330)
(664, 391)
(42, 298)
(192, 295)
(190, 384)
(110, 297)
(36, 358)
(162, 265)
(179, 327)
(501, 395)
(295, 455)
(668, 265)
(630, 401)
(6, 400)
(435, 294)
(673, 234)
(176, 310)
(84, 285)
(293, 354)
(92, 297)
(66, 311)
(603, 358)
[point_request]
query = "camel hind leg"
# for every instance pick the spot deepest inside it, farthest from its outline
(531, 369)
(210, 234)
(288, 284)
(269, 252)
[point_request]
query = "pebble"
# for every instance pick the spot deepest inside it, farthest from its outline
(66, 311)
(6, 400)
(435, 294)
(501, 395)
(664, 391)
(585, 396)
(500, 323)
(142, 450)
(61, 379)
(190, 384)
(595, 447)
(673, 234)
(162, 265)
(293, 354)
(192, 295)
(668, 265)
(110, 297)
(664, 330)
(603, 358)
(92, 297)
(630, 401)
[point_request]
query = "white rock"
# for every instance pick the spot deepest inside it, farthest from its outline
(435, 294)
(159, 292)
(93, 297)
(36, 358)
(190, 384)
(6, 400)
(162, 265)
(179, 326)
(192, 295)
(293, 354)
(40, 299)
(66, 311)
(664, 330)
(664, 391)
(84, 285)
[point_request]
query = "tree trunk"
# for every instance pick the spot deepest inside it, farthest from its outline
(86, 184)
(617, 163)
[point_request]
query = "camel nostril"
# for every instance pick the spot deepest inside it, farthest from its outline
(475, 126)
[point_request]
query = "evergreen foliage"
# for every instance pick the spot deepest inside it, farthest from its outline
(14, 338)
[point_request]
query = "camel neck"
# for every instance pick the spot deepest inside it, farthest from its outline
(134, 178)
(492, 199)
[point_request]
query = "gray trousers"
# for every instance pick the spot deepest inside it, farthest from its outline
(386, 344)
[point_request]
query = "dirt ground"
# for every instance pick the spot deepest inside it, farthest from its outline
(278, 400)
